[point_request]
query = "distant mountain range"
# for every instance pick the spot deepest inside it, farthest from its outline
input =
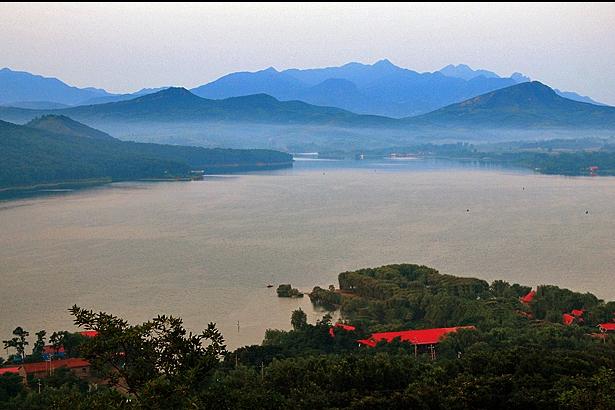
(57, 149)
(24, 88)
(381, 88)
(121, 97)
(525, 110)
(522, 106)
(180, 105)
(465, 72)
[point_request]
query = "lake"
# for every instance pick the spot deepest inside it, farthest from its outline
(205, 250)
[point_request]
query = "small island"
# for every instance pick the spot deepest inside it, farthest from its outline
(287, 291)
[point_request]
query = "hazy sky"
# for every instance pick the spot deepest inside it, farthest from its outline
(124, 47)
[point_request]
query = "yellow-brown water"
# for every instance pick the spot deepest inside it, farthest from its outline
(206, 250)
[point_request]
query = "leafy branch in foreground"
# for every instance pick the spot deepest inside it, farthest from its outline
(156, 359)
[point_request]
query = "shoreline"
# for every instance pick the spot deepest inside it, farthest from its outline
(10, 192)
(56, 185)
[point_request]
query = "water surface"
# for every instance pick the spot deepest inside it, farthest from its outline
(206, 250)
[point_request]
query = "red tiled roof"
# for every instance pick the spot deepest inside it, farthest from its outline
(529, 297)
(89, 333)
(54, 364)
(577, 312)
(4, 370)
(49, 349)
(568, 319)
(607, 327)
(341, 326)
(367, 342)
(416, 337)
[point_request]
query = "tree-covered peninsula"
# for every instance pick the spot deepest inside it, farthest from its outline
(499, 346)
(56, 149)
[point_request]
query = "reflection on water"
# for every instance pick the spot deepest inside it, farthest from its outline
(206, 250)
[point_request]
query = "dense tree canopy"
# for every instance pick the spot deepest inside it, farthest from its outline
(39, 156)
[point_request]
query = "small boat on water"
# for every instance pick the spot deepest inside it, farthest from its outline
(270, 285)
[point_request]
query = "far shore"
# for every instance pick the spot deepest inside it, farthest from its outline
(78, 183)
(10, 191)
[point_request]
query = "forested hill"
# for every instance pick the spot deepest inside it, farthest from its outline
(522, 106)
(61, 124)
(63, 150)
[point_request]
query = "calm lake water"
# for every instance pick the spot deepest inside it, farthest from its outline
(206, 250)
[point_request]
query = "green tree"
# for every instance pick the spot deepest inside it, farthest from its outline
(298, 319)
(158, 361)
(57, 340)
(37, 349)
(11, 385)
(18, 342)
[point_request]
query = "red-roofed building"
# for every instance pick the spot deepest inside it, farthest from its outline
(577, 312)
(49, 351)
(80, 367)
(342, 326)
(89, 333)
(607, 327)
(421, 337)
(529, 297)
(568, 319)
(6, 370)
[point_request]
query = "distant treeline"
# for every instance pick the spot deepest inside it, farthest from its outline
(561, 163)
(562, 157)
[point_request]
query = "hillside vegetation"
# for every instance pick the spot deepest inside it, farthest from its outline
(56, 149)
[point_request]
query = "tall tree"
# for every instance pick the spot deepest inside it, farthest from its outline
(157, 360)
(298, 319)
(19, 342)
(37, 349)
(57, 340)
